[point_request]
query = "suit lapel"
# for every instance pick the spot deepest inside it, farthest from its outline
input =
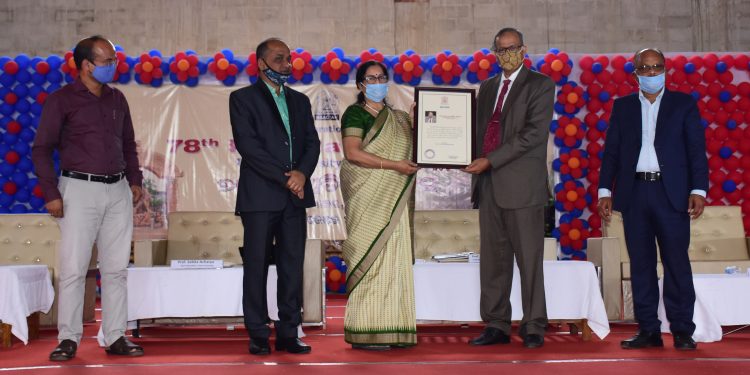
(266, 94)
(665, 109)
(290, 108)
(515, 91)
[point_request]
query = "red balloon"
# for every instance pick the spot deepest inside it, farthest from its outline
(715, 162)
(37, 191)
(697, 61)
(731, 163)
(735, 176)
(709, 76)
(12, 157)
(13, 127)
(713, 146)
(604, 77)
(694, 78)
(717, 176)
(715, 192)
(585, 62)
(10, 67)
(10, 188)
(741, 62)
(679, 62)
(726, 77)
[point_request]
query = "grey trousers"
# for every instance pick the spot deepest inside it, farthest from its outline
(101, 213)
(505, 233)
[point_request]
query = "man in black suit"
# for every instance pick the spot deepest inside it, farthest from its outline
(655, 172)
(275, 134)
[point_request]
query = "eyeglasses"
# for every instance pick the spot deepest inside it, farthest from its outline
(375, 79)
(656, 68)
(110, 61)
(511, 49)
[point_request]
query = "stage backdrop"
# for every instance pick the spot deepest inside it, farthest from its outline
(179, 106)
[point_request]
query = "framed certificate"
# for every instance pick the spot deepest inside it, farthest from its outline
(444, 127)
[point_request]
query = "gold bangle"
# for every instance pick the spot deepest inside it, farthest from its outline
(381, 164)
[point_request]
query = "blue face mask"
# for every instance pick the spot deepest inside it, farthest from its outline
(278, 78)
(104, 74)
(651, 84)
(376, 91)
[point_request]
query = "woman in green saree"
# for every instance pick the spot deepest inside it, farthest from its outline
(377, 180)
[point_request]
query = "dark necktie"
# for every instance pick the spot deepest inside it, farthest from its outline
(492, 134)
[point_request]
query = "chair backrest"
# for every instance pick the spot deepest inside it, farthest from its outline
(717, 235)
(445, 231)
(28, 239)
(204, 235)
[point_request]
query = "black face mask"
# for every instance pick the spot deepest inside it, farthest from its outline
(275, 77)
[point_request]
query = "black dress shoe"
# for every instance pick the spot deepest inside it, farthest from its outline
(684, 341)
(259, 346)
(293, 345)
(489, 336)
(64, 351)
(643, 339)
(532, 341)
(125, 347)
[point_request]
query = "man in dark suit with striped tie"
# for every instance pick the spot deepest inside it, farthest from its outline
(514, 111)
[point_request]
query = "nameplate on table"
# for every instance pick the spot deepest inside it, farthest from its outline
(193, 264)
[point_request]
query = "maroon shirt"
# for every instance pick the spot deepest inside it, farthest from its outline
(93, 135)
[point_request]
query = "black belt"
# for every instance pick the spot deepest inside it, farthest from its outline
(107, 178)
(648, 176)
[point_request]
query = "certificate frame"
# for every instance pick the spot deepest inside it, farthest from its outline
(447, 141)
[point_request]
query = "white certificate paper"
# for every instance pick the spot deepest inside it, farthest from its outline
(444, 127)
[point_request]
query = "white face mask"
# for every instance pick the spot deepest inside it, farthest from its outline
(651, 84)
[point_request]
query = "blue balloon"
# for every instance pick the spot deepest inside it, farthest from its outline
(721, 67)
(55, 76)
(22, 195)
(23, 61)
(22, 148)
(725, 96)
(696, 95)
(25, 165)
(5, 200)
(21, 91)
(230, 81)
(10, 138)
(729, 186)
(604, 96)
(601, 125)
(54, 62)
(596, 68)
(53, 87)
(24, 119)
(725, 152)
(23, 76)
(629, 67)
(38, 79)
(731, 124)
(35, 90)
(36, 109)
(6, 169)
(4, 148)
(27, 135)
(20, 178)
(7, 80)
(23, 106)
(192, 82)
(554, 51)
(36, 202)
(559, 108)
(18, 209)
(7, 109)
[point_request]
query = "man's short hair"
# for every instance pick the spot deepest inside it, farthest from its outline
(84, 50)
(262, 48)
(505, 31)
(637, 56)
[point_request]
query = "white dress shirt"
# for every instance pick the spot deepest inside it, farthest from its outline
(647, 159)
(512, 79)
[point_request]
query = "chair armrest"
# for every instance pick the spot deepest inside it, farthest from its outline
(148, 253)
(604, 252)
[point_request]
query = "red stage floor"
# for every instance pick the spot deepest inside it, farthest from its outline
(441, 350)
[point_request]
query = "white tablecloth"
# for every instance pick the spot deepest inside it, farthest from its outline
(24, 290)
(450, 291)
(159, 292)
(720, 300)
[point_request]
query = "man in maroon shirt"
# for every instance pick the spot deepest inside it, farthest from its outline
(89, 124)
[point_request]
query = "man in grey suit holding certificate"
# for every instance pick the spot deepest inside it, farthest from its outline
(514, 110)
